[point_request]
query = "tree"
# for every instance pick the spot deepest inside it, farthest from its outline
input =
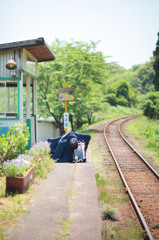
(121, 93)
(123, 89)
(139, 76)
(156, 65)
(150, 105)
(80, 66)
(145, 74)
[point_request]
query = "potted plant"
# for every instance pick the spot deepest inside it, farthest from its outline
(20, 172)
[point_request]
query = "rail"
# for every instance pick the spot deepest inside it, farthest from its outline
(133, 201)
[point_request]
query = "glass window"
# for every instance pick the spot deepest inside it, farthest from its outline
(30, 65)
(8, 99)
(2, 100)
(25, 100)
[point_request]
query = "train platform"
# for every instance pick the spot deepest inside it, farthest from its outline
(64, 206)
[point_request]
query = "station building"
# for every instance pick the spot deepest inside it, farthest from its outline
(18, 82)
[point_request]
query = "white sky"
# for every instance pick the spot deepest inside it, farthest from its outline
(127, 29)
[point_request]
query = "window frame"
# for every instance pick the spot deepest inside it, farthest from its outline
(27, 54)
(5, 117)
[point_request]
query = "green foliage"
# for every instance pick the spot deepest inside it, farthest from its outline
(145, 74)
(123, 89)
(111, 98)
(122, 102)
(150, 105)
(11, 207)
(109, 213)
(16, 167)
(2, 186)
(110, 112)
(14, 143)
(101, 181)
(156, 65)
(42, 148)
(147, 131)
(96, 83)
(38, 155)
(140, 77)
(80, 66)
(41, 153)
(43, 166)
(120, 93)
(151, 130)
(149, 108)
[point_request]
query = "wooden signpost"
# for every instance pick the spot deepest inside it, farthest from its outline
(66, 94)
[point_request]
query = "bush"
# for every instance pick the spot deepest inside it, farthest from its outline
(150, 110)
(14, 143)
(111, 98)
(38, 155)
(16, 167)
(44, 166)
(42, 148)
(151, 130)
(41, 153)
(122, 102)
(150, 105)
(108, 213)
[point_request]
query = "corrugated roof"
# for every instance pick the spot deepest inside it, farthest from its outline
(37, 47)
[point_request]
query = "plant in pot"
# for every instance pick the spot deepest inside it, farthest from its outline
(20, 172)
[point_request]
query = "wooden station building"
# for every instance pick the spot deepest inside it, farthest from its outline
(18, 82)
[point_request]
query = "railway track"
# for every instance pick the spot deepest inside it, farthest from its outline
(139, 178)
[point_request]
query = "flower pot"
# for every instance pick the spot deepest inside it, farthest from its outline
(20, 184)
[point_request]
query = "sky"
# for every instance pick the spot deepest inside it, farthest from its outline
(126, 29)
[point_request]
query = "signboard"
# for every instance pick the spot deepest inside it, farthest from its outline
(66, 120)
(66, 94)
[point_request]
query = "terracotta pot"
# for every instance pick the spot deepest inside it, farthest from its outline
(20, 184)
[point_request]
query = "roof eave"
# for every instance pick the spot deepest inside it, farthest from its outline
(29, 45)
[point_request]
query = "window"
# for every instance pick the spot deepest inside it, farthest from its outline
(2, 100)
(25, 100)
(30, 63)
(8, 99)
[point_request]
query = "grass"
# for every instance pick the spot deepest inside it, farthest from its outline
(107, 194)
(70, 197)
(66, 226)
(43, 167)
(11, 207)
(147, 133)
(65, 230)
(110, 194)
(114, 112)
(112, 232)
(109, 112)
(101, 181)
(109, 213)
